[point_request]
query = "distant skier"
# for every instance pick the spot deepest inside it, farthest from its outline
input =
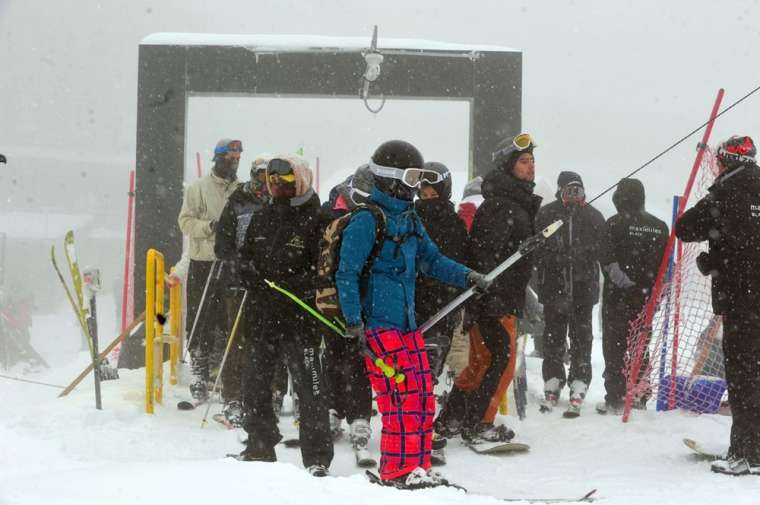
(448, 232)
(346, 379)
(243, 204)
(728, 218)
(634, 244)
(201, 208)
(379, 309)
(568, 287)
(282, 245)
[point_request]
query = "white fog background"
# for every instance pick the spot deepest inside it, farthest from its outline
(606, 86)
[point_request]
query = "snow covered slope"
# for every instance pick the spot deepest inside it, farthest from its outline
(65, 452)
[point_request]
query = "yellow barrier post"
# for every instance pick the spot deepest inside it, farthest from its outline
(154, 304)
(175, 326)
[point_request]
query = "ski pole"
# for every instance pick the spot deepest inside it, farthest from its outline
(387, 369)
(526, 247)
(226, 353)
(198, 312)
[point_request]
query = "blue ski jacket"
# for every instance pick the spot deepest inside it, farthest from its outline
(385, 297)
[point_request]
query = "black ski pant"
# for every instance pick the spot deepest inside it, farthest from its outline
(617, 315)
(216, 318)
(741, 350)
(346, 378)
(559, 327)
(275, 333)
(467, 409)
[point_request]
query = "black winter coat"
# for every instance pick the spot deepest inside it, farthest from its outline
(233, 223)
(283, 245)
(448, 232)
(636, 240)
(729, 219)
(570, 255)
(502, 222)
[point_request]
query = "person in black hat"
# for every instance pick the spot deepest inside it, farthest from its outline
(567, 270)
(635, 241)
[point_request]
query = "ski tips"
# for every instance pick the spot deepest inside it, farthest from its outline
(549, 230)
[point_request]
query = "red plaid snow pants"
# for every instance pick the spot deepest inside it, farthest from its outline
(408, 408)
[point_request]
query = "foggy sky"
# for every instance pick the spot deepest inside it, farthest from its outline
(606, 84)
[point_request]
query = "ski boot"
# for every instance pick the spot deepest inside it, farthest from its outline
(552, 388)
(335, 425)
(577, 394)
(438, 452)
(487, 432)
(256, 452)
(614, 408)
(735, 466)
(318, 471)
(233, 413)
(359, 433)
(198, 390)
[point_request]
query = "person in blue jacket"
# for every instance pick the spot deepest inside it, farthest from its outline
(378, 308)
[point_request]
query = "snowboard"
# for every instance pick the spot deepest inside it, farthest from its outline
(701, 450)
(498, 447)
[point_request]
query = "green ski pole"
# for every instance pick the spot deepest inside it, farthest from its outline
(387, 370)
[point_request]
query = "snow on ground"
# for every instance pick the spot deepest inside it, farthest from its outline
(61, 451)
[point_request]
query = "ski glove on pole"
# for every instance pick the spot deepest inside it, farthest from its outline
(618, 277)
(356, 334)
(480, 281)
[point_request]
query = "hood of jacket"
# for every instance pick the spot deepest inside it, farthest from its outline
(629, 196)
(500, 184)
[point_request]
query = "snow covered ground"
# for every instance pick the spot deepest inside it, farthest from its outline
(61, 451)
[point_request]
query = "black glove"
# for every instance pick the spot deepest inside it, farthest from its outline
(212, 225)
(618, 277)
(705, 264)
(357, 336)
(478, 280)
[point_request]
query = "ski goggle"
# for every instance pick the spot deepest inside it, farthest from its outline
(234, 146)
(573, 193)
(521, 142)
(279, 170)
(412, 177)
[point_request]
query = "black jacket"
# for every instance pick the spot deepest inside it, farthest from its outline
(233, 223)
(729, 219)
(447, 230)
(636, 240)
(503, 221)
(570, 255)
(282, 244)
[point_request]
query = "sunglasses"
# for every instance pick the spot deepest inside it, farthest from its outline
(234, 146)
(279, 170)
(412, 177)
(521, 142)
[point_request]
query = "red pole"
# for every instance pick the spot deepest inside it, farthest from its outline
(198, 163)
(317, 175)
(638, 354)
(126, 316)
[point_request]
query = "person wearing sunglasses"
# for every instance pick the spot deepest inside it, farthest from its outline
(379, 308)
(502, 222)
(243, 204)
(202, 207)
(567, 269)
(282, 246)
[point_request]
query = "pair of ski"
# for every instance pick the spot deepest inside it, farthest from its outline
(81, 311)
(586, 498)
(573, 410)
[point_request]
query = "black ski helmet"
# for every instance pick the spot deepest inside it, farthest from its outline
(508, 150)
(359, 185)
(736, 151)
(443, 188)
(396, 154)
